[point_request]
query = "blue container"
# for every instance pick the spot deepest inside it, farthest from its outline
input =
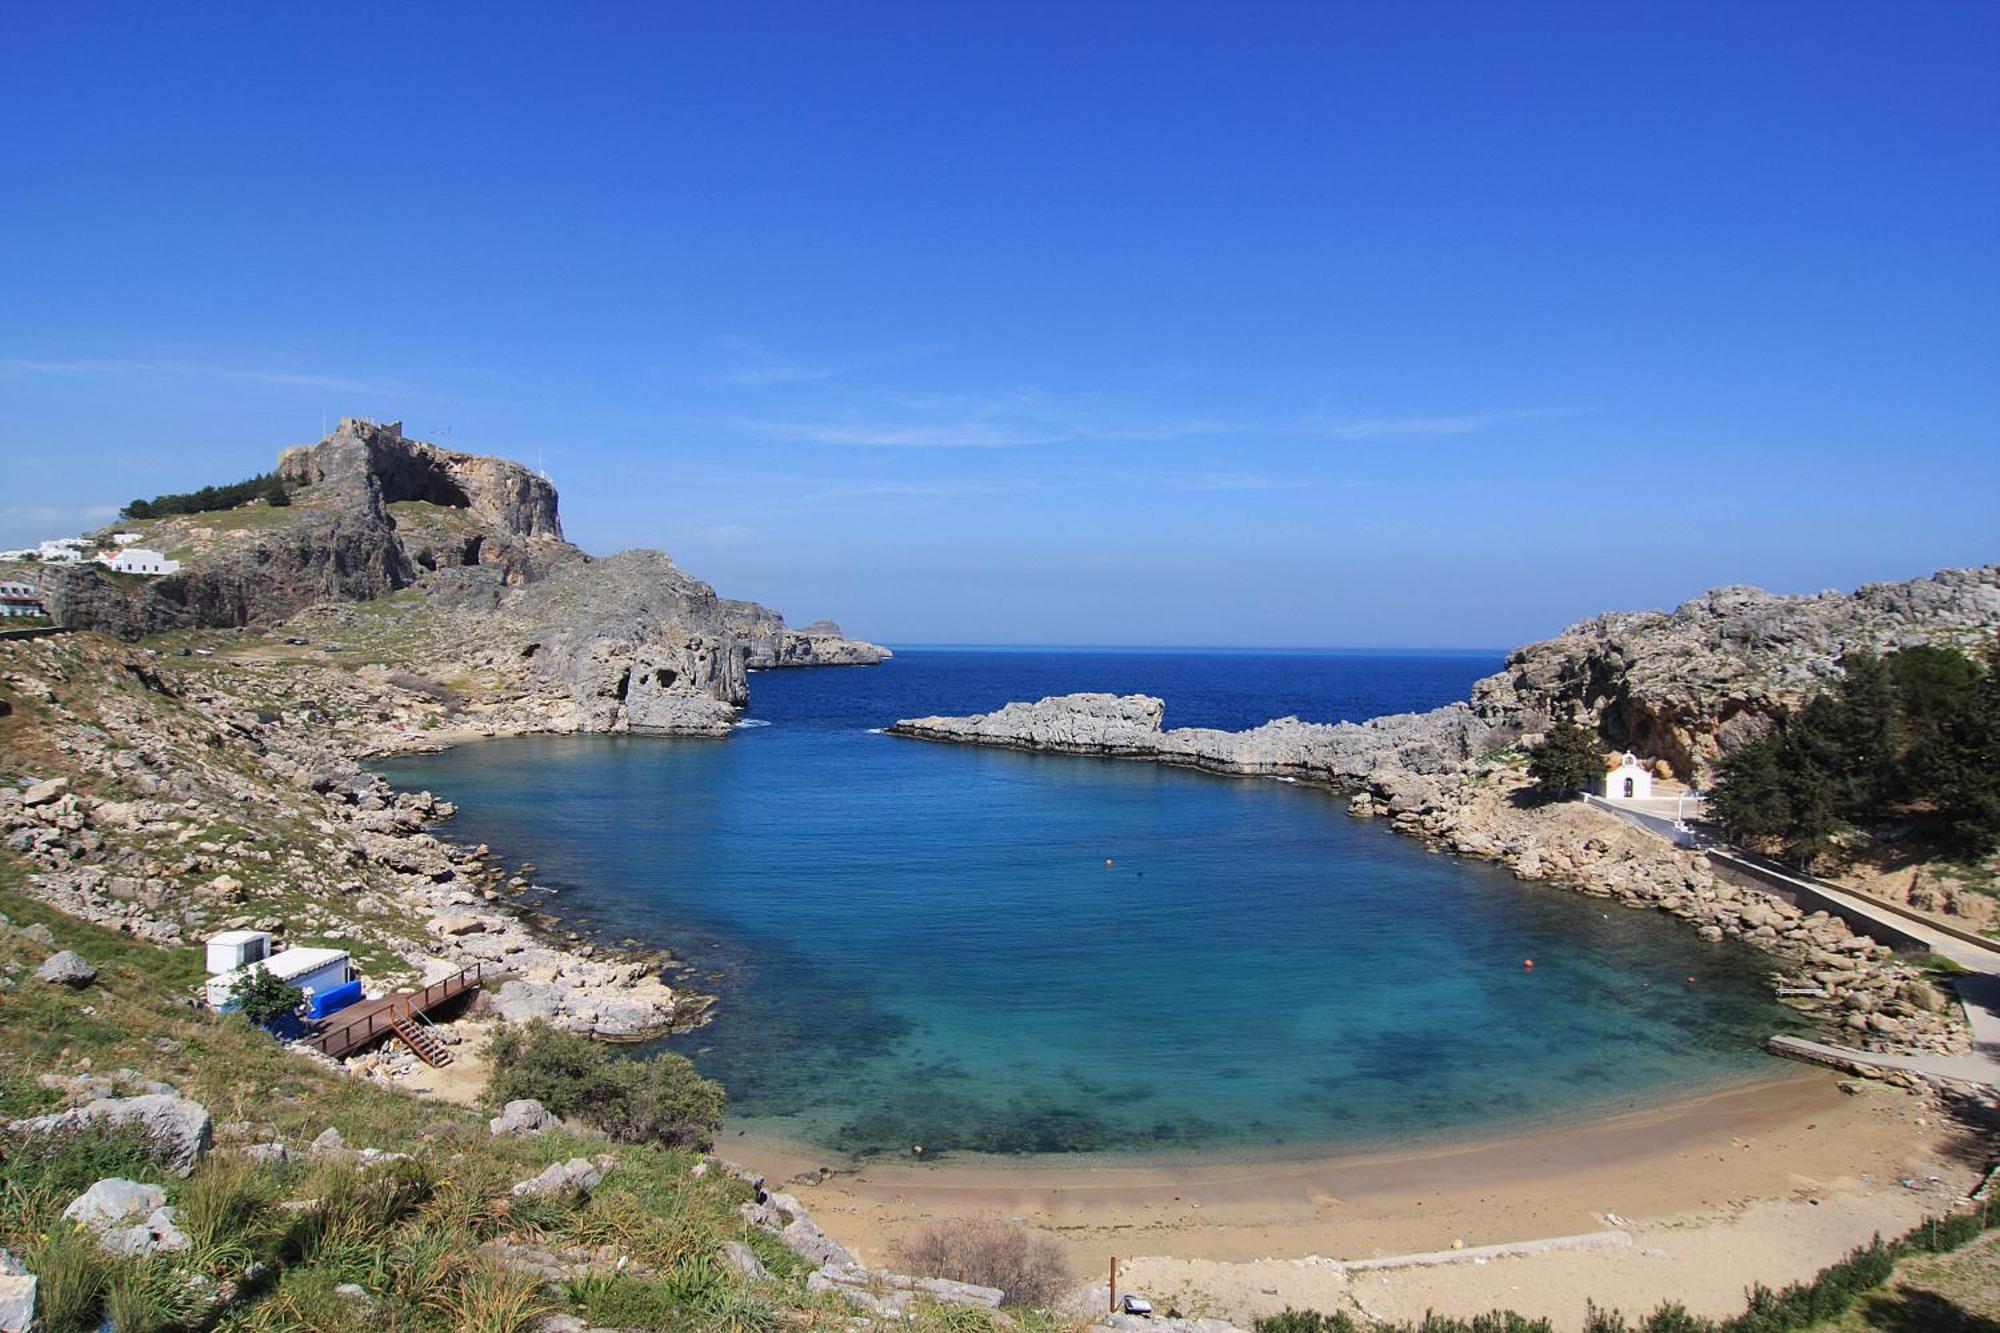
(334, 1000)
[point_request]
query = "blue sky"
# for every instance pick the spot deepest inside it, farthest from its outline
(1424, 324)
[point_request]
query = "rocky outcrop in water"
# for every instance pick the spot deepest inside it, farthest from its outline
(772, 643)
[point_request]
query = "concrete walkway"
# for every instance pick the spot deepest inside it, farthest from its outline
(1978, 989)
(1978, 992)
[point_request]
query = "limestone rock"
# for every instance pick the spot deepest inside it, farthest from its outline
(578, 1173)
(526, 1116)
(42, 793)
(112, 1201)
(743, 1259)
(66, 969)
(128, 1218)
(180, 1129)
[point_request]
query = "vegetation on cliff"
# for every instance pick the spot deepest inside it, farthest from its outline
(266, 486)
(1913, 736)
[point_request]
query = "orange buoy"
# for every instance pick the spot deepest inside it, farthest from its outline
(1690, 981)
(1527, 964)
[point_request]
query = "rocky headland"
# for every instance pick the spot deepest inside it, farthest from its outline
(474, 548)
(1679, 687)
(188, 758)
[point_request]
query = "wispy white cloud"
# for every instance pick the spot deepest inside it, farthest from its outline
(1026, 417)
(284, 379)
(754, 364)
(1002, 421)
(1463, 423)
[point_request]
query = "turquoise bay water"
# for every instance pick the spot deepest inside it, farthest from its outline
(923, 944)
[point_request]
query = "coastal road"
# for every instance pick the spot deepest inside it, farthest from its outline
(1978, 989)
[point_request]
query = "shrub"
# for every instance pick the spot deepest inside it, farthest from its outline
(1030, 1269)
(1306, 1321)
(265, 998)
(657, 1098)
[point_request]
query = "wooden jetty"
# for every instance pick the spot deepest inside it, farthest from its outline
(358, 1025)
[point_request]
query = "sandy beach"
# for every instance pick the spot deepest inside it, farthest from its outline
(1764, 1182)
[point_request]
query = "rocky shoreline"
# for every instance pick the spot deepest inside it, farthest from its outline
(171, 797)
(1456, 777)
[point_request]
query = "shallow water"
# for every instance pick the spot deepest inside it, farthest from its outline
(917, 943)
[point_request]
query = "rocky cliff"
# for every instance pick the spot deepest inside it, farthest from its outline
(1682, 686)
(375, 466)
(628, 643)
(1685, 685)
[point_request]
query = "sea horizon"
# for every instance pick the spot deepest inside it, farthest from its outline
(1273, 650)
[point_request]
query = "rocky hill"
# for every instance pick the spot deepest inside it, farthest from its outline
(1680, 686)
(1685, 685)
(626, 643)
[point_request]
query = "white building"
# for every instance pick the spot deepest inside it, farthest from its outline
(1629, 781)
(20, 599)
(62, 551)
(124, 538)
(236, 955)
(139, 560)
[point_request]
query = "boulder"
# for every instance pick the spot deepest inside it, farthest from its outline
(113, 1200)
(743, 1259)
(43, 793)
(180, 1129)
(578, 1173)
(526, 1116)
(17, 1302)
(66, 969)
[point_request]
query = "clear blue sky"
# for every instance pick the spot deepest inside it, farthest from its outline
(1366, 324)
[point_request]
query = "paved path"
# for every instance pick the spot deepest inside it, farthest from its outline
(1978, 989)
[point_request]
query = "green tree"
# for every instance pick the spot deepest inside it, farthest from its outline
(1966, 778)
(264, 998)
(1567, 760)
(1748, 796)
(275, 493)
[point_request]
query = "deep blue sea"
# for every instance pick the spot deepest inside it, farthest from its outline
(982, 950)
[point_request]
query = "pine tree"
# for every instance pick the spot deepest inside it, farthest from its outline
(1567, 760)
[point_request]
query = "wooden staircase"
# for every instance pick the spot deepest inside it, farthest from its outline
(421, 1040)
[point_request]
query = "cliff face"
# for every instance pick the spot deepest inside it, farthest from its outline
(1683, 686)
(377, 465)
(1687, 685)
(629, 643)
